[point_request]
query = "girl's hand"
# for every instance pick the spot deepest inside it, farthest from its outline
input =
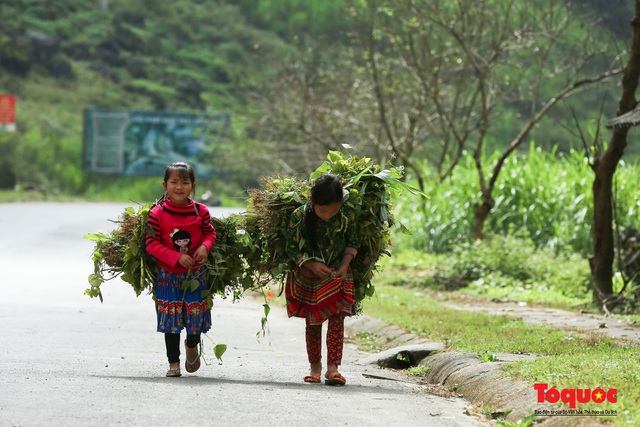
(317, 268)
(186, 261)
(200, 257)
(341, 272)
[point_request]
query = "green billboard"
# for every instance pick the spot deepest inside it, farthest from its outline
(126, 142)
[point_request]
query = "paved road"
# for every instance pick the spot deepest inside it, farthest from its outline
(67, 360)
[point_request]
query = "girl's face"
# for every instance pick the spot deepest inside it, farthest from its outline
(178, 189)
(326, 212)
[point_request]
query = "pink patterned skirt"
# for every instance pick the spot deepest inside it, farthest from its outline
(318, 299)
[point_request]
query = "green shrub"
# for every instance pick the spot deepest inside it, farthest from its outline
(510, 266)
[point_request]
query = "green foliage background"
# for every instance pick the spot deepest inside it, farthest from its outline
(540, 196)
(215, 55)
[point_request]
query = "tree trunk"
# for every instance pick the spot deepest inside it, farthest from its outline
(481, 213)
(603, 239)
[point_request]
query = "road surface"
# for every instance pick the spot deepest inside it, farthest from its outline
(68, 360)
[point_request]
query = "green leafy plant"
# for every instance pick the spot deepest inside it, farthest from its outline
(486, 356)
(218, 349)
(121, 253)
(369, 188)
(418, 371)
(268, 212)
(554, 216)
(510, 266)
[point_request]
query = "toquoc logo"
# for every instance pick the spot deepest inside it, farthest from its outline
(574, 395)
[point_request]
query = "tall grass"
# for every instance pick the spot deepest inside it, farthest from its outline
(545, 195)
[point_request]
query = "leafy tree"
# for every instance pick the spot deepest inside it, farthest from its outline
(465, 63)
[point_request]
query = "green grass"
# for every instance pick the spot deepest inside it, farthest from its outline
(504, 268)
(11, 196)
(501, 267)
(566, 359)
(418, 371)
(133, 190)
(368, 342)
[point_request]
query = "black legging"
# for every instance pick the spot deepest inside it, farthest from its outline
(172, 342)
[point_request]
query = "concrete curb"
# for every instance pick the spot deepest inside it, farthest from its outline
(480, 383)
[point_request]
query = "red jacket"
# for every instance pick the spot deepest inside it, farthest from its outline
(179, 229)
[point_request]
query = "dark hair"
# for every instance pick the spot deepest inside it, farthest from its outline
(326, 190)
(184, 170)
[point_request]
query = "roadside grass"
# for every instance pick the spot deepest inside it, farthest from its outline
(13, 196)
(566, 359)
(134, 194)
(368, 342)
(503, 268)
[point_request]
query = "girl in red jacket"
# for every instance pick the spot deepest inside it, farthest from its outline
(181, 240)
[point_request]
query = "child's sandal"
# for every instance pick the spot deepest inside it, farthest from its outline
(312, 378)
(175, 372)
(334, 378)
(192, 366)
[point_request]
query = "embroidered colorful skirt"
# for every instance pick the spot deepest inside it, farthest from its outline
(178, 309)
(318, 299)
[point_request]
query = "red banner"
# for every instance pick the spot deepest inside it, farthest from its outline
(8, 112)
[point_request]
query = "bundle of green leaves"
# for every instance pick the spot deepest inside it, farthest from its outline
(121, 253)
(369, 188)
(268, 213)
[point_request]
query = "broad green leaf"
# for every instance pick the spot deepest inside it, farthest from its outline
(267, 310)
(219, 350)
(134, 249)
(356, 178)
(97, 237)
(92, 292)
(335, 156)
(194, 285)
(370, 291)
(95, 280)
(404, 230)
(321, 170)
